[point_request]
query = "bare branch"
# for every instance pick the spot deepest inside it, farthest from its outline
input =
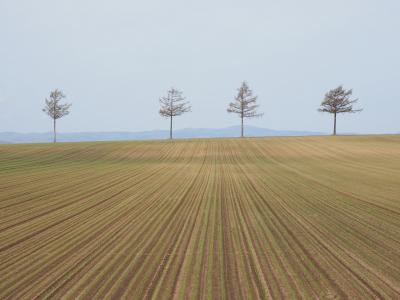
(337, 101)
(244, 104)
(54, 109)
(173, 105)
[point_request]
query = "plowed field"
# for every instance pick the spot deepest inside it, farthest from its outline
(309, 217)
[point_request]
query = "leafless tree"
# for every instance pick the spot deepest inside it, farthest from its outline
(173, 105)
(55, 109)
(245, 104)
(338, 101)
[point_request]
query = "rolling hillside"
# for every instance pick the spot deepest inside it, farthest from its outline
(234, 131)
(255, 218)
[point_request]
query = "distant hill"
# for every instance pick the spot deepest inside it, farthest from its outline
(234, 131)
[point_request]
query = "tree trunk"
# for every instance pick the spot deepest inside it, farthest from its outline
(241, 135)
(170, 129)
(334, 124)
(54, 131)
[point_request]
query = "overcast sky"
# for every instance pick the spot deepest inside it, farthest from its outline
(114, 59)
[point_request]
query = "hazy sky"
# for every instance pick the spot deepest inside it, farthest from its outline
(114, 59)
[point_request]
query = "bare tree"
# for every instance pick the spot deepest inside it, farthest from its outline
(173, 105)
(338, 101)
(244, 105)
(55, 109)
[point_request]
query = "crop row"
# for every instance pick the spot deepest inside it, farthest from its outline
(315, 217)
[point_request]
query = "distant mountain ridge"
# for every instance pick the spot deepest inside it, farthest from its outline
(234, 131)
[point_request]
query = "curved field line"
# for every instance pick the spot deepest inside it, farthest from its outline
(259, 218)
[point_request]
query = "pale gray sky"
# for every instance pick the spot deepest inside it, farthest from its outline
(114, 59)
